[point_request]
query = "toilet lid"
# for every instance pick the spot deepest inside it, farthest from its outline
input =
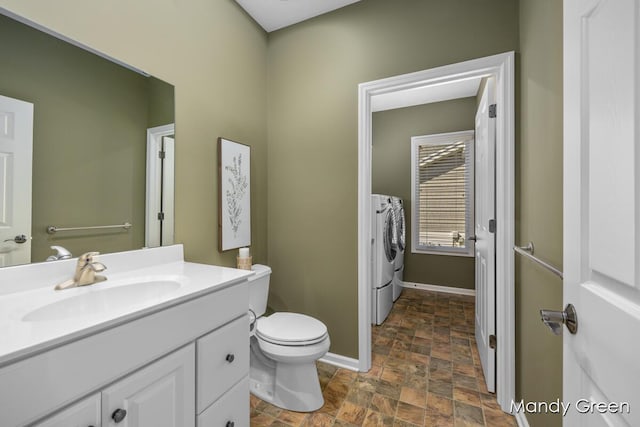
(291, 329)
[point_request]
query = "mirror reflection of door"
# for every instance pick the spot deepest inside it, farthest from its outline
(16, 150)
(160, 186)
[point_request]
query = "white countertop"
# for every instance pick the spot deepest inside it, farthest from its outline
(22, 337)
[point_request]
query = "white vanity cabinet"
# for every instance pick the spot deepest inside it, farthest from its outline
(163, 394)
(181, 365)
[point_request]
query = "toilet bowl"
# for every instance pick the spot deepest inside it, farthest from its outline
(284, 350)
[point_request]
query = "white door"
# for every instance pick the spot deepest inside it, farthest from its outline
(485, 246)
(602, 209)
(16, 148)
(160, 395)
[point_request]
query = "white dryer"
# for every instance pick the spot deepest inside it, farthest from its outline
(383, 255)
(399, 242)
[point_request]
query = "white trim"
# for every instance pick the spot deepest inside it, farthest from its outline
(521, 419)
(340, 361)
(439, 288)
(364, 228)
(153, 187)
(168, 190)
(500, 66)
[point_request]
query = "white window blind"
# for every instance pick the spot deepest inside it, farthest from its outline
(443, 199)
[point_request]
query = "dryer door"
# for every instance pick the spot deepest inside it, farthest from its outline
(387, 231)
(401, 230)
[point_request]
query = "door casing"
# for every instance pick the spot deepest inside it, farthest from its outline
(502, 68)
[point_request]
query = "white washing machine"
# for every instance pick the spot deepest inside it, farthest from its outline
(399, 242)
(383, 255)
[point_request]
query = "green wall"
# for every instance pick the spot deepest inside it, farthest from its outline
(391, 174)
(89, 138)
(215, 55)
(161, 102)
(314, 69)
(539, 204)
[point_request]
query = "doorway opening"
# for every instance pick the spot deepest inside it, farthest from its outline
(159, 209)
(433, 85)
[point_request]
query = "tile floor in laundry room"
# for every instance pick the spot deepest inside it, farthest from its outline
(426, 372)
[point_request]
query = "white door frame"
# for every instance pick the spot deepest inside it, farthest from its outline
(501, 67)
(153, 180)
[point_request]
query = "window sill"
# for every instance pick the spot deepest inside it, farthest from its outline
(443, 252)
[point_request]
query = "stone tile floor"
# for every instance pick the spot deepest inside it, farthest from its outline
(426, 372)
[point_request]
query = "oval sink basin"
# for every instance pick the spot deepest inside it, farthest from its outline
(103, 300)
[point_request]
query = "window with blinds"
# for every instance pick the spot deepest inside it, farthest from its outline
(442, 188)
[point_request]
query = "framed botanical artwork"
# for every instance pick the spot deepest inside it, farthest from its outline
(234, 195)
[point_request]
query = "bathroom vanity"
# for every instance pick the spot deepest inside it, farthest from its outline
(161, 342)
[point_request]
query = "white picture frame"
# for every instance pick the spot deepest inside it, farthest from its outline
(234, 195)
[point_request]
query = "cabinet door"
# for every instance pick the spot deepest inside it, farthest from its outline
(85, 413)
(159, 395)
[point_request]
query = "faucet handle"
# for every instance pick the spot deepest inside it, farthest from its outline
(88, 257)
(97, 266)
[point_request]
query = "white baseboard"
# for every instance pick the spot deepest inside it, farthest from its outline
(438, 288)
(340, 361)
(521, 419)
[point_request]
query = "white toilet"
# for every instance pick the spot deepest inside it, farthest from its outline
(284, 350)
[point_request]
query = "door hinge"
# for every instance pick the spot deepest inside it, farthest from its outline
(160, 216)
(493, 342)
(492, 225)
(493, 111)
(161, 154)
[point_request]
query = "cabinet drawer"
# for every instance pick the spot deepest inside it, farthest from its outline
(223, 358)
(232, 409)
(82, 414)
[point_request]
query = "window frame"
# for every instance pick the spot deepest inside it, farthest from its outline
(433, 139)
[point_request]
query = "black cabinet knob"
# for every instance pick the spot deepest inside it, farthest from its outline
(230, 424)
(118, 415)
(230, 358)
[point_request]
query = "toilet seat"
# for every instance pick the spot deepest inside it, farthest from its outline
(291, 329)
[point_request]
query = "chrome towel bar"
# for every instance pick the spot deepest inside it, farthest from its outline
(527, 252)
(52, 229)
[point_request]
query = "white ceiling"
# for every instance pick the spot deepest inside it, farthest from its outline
(426, 94)
(275, 14)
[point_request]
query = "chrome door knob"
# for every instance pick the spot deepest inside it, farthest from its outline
(20, 238)
(473, 238)
(555, 319)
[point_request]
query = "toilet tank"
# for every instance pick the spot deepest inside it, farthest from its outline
(259, 289)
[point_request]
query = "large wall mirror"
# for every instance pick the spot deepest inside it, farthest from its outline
(84, 141)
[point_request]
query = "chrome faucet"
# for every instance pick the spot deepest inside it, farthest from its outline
(86, 270)
(61, 253)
